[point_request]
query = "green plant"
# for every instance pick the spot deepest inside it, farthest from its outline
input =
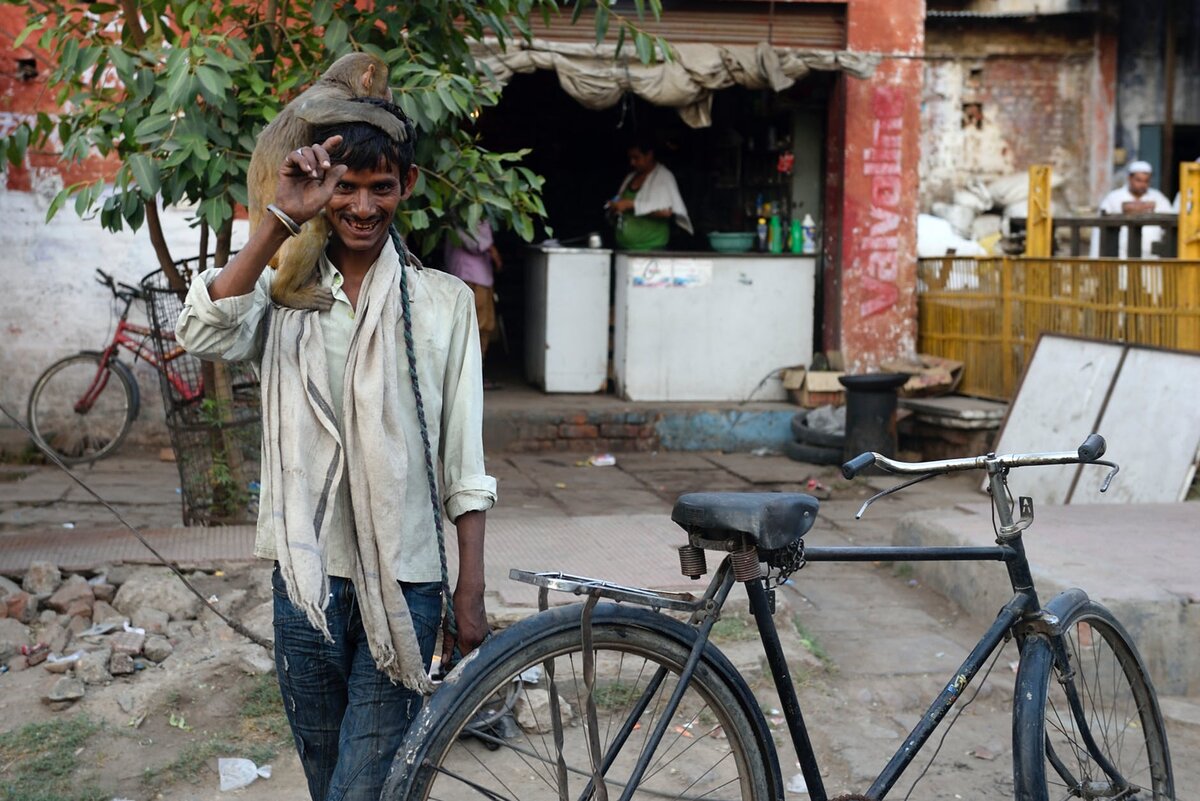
(810, 641)
(177, 93)
(733, 629)
(38, 762)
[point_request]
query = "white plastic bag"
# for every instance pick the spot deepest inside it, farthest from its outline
(236, 772)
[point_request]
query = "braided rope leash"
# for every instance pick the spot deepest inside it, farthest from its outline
(406, 312)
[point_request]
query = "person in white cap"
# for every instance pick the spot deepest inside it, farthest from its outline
(1136, 191)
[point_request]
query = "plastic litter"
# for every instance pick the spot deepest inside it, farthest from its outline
(55, 659)
(763, 451)
(134, 629)
(99, 629)
(602, 460)
(796, 784)
(237, 772)
(68, 525)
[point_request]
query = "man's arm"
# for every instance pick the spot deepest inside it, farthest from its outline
(469, 609)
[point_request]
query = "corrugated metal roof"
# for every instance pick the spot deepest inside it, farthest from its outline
(794, 24)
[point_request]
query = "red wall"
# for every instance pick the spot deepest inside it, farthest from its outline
(871, 195)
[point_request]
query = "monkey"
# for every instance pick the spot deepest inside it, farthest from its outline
(326, 101)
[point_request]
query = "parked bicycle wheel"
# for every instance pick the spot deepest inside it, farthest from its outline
(1127, 756)
(83, 410)
(489, 731)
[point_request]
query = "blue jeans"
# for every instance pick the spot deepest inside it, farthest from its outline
(348, 719)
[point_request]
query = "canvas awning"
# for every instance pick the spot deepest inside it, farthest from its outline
(593, 75)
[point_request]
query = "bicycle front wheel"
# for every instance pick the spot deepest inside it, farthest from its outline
(1099, 733)
(82, 409)
(489, 732)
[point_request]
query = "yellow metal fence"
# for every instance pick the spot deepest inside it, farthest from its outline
(988, 312)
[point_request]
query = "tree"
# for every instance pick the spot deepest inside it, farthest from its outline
(177, 92)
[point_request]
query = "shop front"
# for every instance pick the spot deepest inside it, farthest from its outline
(718, 311)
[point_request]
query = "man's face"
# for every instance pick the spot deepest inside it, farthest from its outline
(1139, 182)
(363, 204)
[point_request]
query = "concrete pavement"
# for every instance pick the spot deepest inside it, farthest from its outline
(557, 512)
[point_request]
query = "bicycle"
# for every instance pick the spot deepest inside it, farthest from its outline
(663, 713)
(83, 406)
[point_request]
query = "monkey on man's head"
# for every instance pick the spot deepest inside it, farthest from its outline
(325, 102)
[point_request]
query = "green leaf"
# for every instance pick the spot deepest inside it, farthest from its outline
(30, 28)
(57, 203)
(336, 34)
(179, 84)
(418, 220)
(602, 20)
(644, 46)
(322, 12)
(145, 172)
(215, 82)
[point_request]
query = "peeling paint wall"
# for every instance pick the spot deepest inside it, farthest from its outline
(52, 308)
(1031, 82)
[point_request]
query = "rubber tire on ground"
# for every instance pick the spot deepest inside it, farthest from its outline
(1035, 777)
(126, 383)
(810, 436)
(627, 629)
(812, 454)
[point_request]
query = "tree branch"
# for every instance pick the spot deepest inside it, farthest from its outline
(154, 225)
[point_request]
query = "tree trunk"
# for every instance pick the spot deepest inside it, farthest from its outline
(154, 225)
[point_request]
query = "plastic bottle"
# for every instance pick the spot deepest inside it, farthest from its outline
(762, 234)
(810, 235)
(775, 234)
(796, 237)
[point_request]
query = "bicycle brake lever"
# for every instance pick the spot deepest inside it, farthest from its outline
(892, 491)
(1111, 473)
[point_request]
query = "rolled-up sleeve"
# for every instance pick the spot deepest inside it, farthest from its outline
(228, 329)
(467, 487)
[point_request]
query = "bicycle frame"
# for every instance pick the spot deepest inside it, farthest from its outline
(132, 337)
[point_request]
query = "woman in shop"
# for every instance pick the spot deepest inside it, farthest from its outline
(647, 202)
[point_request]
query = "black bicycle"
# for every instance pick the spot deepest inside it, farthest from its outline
(619, 700)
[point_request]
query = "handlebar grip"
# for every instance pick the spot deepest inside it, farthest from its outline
(859, 463)
(1092, 448)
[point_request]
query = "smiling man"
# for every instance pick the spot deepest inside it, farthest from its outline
(359, 404)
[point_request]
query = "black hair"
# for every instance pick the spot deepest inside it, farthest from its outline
(365, 147)
(642, 141)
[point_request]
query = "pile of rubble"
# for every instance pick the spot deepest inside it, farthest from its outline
(91, 629)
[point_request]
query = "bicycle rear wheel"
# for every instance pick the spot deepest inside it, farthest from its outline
(488, 731)
(1117, 727)
(81, 409)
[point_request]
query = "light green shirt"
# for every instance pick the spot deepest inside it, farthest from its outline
(448, 368)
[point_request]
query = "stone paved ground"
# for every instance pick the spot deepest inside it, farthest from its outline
(887, 642)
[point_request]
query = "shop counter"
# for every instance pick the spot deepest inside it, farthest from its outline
(710, 326)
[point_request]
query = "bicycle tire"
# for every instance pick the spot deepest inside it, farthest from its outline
(803, 433)
(718, 722)
(1051, 756)
(79, 438)
(812, 454)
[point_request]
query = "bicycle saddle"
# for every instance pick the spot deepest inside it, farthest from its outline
(771, 520)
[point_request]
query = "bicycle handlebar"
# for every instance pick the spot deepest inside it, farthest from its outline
(118, 288)
(1092, 449)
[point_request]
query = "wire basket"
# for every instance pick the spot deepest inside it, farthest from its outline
(216, 434)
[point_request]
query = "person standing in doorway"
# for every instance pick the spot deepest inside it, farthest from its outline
(476, 260)
(647, 202)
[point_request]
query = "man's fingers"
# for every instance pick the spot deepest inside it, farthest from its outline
(331, 142)
(334, 174)
(321, 154)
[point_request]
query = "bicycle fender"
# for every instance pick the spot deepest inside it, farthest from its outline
(517, 637)
(1066, 602)
(121, 367)
(1029, 710)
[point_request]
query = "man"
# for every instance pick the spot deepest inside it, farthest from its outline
(476, 260)
(346, 510)
(1136, 197)
(647, 202)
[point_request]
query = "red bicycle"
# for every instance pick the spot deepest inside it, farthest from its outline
(82, 407)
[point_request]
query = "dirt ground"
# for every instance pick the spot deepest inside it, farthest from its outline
(158, 733)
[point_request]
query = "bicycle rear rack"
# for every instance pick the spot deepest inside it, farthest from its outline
(582, 585)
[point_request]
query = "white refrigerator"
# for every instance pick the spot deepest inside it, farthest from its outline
(566, 315)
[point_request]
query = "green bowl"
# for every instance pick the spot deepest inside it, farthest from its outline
(734, 242)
